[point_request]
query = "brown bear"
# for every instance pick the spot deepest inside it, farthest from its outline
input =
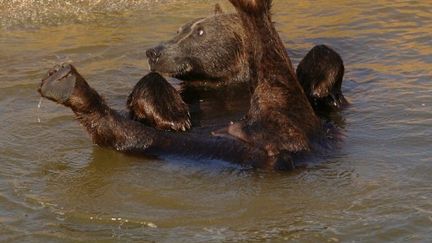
(280, 122)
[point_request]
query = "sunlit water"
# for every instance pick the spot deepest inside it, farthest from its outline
(56, 185)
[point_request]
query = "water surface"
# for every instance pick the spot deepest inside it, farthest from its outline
(56, 185)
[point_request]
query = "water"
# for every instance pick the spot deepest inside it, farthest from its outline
(55, 185)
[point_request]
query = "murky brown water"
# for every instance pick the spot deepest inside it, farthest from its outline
(55, 185)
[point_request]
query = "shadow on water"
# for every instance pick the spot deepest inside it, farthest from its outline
(215, 107)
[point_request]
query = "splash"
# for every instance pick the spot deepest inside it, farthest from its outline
(124, 221)
(30, 13)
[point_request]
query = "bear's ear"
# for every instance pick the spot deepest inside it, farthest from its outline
(252, 6)
(218, 9)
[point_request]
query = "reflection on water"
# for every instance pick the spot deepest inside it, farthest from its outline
(56, 185)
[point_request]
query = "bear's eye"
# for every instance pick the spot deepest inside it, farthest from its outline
(200, 32)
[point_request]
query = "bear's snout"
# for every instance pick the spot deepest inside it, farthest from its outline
(153, 54)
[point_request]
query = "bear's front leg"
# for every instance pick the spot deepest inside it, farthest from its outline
(156, 103)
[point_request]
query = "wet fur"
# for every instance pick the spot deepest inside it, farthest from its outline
(280, 119)
(155, 102)
(321, 73)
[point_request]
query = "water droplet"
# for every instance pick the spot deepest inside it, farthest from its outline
(38, 109)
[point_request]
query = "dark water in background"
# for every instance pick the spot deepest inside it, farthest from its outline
(55, 185)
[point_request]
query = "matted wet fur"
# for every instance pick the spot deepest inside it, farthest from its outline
(321, 73)
(280, 119)
(154, 102)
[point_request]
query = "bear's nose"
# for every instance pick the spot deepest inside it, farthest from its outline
(153, 54)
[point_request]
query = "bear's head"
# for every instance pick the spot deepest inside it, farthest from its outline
(209, 49)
